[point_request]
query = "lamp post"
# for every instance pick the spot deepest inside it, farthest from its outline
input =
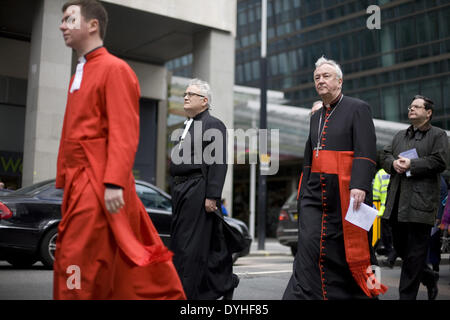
(262, 187)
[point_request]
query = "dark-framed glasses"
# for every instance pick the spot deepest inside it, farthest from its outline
(413, 107)
(191, 94)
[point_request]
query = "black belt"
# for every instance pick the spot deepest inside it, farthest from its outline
(182, 179)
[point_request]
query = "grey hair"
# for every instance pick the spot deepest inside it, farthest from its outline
(204, 87)
(322, 60)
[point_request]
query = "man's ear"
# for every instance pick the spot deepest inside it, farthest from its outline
(94, 26)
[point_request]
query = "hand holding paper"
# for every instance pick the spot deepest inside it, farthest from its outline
(405, 159)
(363, 218)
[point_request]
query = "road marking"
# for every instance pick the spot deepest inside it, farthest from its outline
(261, 272)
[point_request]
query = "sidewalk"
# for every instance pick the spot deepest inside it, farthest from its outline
(271, 248)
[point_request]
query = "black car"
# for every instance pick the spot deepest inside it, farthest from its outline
(29, 218)
(287, 230)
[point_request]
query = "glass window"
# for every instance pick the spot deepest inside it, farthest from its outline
(446, 100)
(390, 103)
(278, 7)
(406, 33)
(269, 8)
(293, 61)
(369, 43)
(433, 23)
(422, 29)
(239, 74)
(248, 71)
(407, 92)
(444, 22)
(280, 30)
(274, 65)
(312, 5)
(283, 63)
(256, 67)
(153, 199)
(372, 98)
(251, 15)
(242, 17)
(431, 88)
(329, 3)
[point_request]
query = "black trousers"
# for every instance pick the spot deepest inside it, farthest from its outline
(411, 242)
(386, 238)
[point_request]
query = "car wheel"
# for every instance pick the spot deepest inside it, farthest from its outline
(21, 261)
(294, 250)
(48, 247)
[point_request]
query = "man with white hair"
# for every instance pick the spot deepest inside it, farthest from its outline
(201, 255)
(334, 257)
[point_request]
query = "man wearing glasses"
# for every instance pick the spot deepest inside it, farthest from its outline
(198, 169)
(414, 160)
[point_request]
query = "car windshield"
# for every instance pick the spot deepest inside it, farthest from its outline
(33, 189)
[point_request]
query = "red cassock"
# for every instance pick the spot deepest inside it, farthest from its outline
(100, 255)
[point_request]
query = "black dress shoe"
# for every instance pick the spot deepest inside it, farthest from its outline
(432, 289)
(229, 294)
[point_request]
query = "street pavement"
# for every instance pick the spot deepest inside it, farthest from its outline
(389, 277)
(263, 274)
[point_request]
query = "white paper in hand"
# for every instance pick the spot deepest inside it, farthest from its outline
(363, 217)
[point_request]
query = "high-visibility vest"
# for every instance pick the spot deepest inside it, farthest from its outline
(380, 185)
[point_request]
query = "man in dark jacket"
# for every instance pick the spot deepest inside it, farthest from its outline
(198, 168)
(413, 194)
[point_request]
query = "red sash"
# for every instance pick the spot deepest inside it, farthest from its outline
(355, 238)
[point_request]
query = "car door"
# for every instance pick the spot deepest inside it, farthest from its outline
(159, 208)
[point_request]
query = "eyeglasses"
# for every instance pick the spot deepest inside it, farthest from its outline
(411, 107)
(191, 94)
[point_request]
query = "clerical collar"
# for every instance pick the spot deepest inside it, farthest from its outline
(334, 102)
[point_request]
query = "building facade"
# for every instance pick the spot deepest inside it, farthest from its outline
(35, 69)
(408, 55)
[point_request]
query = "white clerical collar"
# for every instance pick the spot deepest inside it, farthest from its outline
(78, 75)
(187, 124)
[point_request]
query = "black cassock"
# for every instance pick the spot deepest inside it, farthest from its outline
(201, 255)
(320, 267)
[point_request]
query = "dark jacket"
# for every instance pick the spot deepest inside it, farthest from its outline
(419, 194)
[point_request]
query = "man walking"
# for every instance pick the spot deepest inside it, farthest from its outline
(107, 246)
(414, 160)
(334, 257)
(198, 168)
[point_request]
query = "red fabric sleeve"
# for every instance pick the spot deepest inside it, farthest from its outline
(122, 107)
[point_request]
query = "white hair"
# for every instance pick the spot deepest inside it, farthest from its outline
(322, 60)
(204, 88)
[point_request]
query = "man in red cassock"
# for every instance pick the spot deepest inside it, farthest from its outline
(107, 246)
(334, 257)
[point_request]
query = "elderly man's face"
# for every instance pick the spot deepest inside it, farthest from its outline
(326, 81)
(194, 101)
